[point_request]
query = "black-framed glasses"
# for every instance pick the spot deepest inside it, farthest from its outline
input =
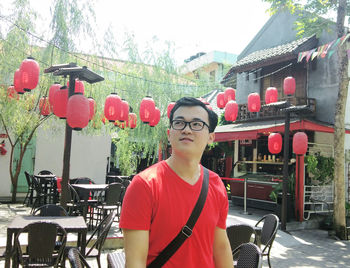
(196, 125)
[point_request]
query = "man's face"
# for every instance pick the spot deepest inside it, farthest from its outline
(188, 141)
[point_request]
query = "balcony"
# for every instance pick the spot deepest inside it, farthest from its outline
(268, 113)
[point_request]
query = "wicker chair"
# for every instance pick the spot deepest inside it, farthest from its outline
(50, 210)
(249, 256)
(98, 238)
(238, 234)
(76, 260)
(109, 200)
(30, 192)
(270, 223)
(42, 238)
(116, 259)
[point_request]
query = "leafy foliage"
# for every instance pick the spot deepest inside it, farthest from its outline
(321, 168)
(314, 16)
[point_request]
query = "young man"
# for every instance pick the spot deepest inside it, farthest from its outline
(160, 199)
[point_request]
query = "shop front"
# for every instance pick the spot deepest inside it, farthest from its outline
(262, 171)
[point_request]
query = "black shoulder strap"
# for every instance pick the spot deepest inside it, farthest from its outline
(186, 231)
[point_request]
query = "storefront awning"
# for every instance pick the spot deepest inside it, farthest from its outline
(252, 130)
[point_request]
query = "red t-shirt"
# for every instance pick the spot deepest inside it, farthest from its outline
(160, 201)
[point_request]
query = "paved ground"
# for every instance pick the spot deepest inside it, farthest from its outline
(305, 248)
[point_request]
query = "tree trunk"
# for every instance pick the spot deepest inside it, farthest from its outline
(339, 130)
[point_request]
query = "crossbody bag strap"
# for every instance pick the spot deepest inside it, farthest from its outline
(186, 231)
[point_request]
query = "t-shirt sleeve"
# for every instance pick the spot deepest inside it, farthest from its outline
(223, 205)
(137, 206)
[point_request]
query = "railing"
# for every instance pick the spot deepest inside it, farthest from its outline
(318, 199)
(271, 112)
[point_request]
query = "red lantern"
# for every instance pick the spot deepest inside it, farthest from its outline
(52, 91)
(275, 143)
(79, 86)
(29, 74)
(254, 102)
(231, 111)
(289, 85)
(300, 141)
(230, 94)
(60, 102)
(147, 108)
(170, 107)
(92, 108)
(124, 111)
(17, 82)
(271, 95)
(44, 106)
(3, 151)
(156, 118)
(112, 106)
(132, 120)
(12, 93)
(220, 100)
(78, 111)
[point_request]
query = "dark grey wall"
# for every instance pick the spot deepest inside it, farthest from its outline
(322, 82)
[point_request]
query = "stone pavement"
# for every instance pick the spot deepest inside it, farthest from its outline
(297, 249)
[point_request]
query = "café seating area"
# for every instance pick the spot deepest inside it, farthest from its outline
(39, 238)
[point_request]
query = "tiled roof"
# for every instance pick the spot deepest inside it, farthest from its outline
(273, 55)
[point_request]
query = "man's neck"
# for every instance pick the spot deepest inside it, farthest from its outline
(187, 169)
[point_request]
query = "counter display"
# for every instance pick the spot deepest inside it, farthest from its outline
(259, 188)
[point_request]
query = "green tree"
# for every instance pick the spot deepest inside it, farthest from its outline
(140, 74)
(310, 21)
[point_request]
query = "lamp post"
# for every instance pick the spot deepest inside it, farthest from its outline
(83, 74)
(287, 108)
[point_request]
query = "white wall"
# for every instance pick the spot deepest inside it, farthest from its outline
(88, 155)
(5, 180)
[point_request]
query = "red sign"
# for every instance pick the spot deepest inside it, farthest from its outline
(3, 136)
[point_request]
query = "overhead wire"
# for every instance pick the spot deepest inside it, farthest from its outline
(100, 65)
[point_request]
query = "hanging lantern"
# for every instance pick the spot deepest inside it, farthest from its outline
(230, 94)
(275, 143)
(44, 106)
(147, 108)
(289, 86)
(79, 86)
(29, 74)
(132, 120)
(53, 89)
(156, 118)
(17, 82)
(170, 107)
(300, 141)
(60, 102)
(220, 100)
(92, 108)
(112, 106)
(254, 102)
(12, 93)
(124, 111)
(231, 111)
(78, 111)
(271, 95)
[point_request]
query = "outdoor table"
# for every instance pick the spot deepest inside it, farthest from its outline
(86, 189)
(72, 224)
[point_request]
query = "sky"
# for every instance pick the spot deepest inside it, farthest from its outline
(191, 25)
(194, 26)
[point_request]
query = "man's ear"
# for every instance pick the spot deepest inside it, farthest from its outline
(211, 138)
(168, 131)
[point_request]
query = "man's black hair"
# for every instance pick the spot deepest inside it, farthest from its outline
(189, 102)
